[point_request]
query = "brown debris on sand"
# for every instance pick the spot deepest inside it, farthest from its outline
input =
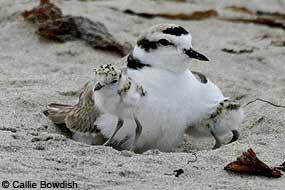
(40, 14)
(250, 164)
(275, 19)
(196, 15)
(281, 167)
(53, 25)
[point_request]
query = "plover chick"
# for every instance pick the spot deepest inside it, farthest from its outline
(119, 95)
(226, 111)
(226, 116)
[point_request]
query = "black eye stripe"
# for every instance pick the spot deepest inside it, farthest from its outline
(164, 42)
(147, 44)
(114, 81)
(176, 31)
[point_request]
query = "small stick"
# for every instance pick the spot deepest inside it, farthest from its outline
(266, 101)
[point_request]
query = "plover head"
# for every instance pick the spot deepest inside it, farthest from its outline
(166, 46)
(106, 75)
(109, 78)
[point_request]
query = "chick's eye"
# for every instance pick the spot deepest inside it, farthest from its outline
(114, 81)
(164, 42)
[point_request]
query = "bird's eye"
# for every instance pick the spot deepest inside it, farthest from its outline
(114, 81)
(164, 42)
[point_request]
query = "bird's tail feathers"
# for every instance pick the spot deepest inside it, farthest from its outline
(57, 112)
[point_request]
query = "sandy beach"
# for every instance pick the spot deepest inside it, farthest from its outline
(246, 62)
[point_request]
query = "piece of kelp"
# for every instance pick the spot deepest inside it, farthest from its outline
(243, 10)
(258, 20)
(196, 15)
(53, 25)
(275, 19)
(72, 27)
(248, 163)
(281, 167)
(43, 12)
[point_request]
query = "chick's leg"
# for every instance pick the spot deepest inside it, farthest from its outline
(138, 133)
(235, 136)
(218, 143)
(120, 123)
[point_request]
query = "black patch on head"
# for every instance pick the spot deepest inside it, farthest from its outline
(146, 44)
(176, 31)
(134, 63)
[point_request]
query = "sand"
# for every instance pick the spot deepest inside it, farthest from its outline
(35, 72)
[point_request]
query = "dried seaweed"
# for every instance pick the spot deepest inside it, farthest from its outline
(275, 20)
(233, 51)
(243, 10)
(276, 15)
(53, 25)
(281, 167)
(42, 13)
(196, 15)
(250, 164)
(69, 28)
(258, 20)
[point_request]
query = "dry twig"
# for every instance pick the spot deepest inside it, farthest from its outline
(266, 101)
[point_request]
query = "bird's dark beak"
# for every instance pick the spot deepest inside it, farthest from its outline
(195, 55)
(98, 86)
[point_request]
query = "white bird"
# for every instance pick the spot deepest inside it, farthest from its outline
(177, 102)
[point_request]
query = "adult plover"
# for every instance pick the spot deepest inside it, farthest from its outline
(177, 101)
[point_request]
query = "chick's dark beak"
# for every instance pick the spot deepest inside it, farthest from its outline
(195, 55)
(98, 86)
